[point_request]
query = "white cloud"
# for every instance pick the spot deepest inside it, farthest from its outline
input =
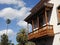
(22, 23)
(13, 13)
(10, 13)
(20, 3)
(10, 32)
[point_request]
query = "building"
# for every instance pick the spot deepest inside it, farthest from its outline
(45, 21)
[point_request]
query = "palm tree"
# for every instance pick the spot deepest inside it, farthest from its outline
(8, 21)
(30, 43)
(22, 38)
(4, 39)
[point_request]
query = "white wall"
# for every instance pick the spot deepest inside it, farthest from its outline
(56, 40)
(54, 21)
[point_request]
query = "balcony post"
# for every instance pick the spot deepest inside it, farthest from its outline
(27, 27)
(46, 18)
(38, 21)
(32, 25)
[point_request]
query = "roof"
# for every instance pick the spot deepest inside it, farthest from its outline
(36, 8)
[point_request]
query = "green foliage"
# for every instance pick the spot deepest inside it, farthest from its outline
(8, 21)
(22, 38)
(30, 43)
(5, 40)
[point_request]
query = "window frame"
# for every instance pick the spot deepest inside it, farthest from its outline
(58, 8)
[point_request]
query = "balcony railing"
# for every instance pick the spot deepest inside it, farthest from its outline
(43, 31)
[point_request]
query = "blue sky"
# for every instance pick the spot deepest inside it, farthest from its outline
(16, 11)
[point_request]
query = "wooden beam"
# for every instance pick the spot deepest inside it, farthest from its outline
(47, 8)
(32, 25)
(38, 21)
(46, 18)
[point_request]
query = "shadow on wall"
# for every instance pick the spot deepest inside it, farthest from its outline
(44, 41)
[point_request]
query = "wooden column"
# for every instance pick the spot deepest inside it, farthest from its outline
(27, 27)
(38, 21)
(46, 18)
(32, 25)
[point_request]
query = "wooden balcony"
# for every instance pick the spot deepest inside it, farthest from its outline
(43, 31)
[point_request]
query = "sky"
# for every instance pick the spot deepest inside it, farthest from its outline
(16, 11)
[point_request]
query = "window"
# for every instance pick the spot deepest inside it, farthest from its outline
(41, 23)
(58, 14)
(35, 24)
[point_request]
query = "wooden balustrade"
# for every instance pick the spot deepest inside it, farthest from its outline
(45, 30)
